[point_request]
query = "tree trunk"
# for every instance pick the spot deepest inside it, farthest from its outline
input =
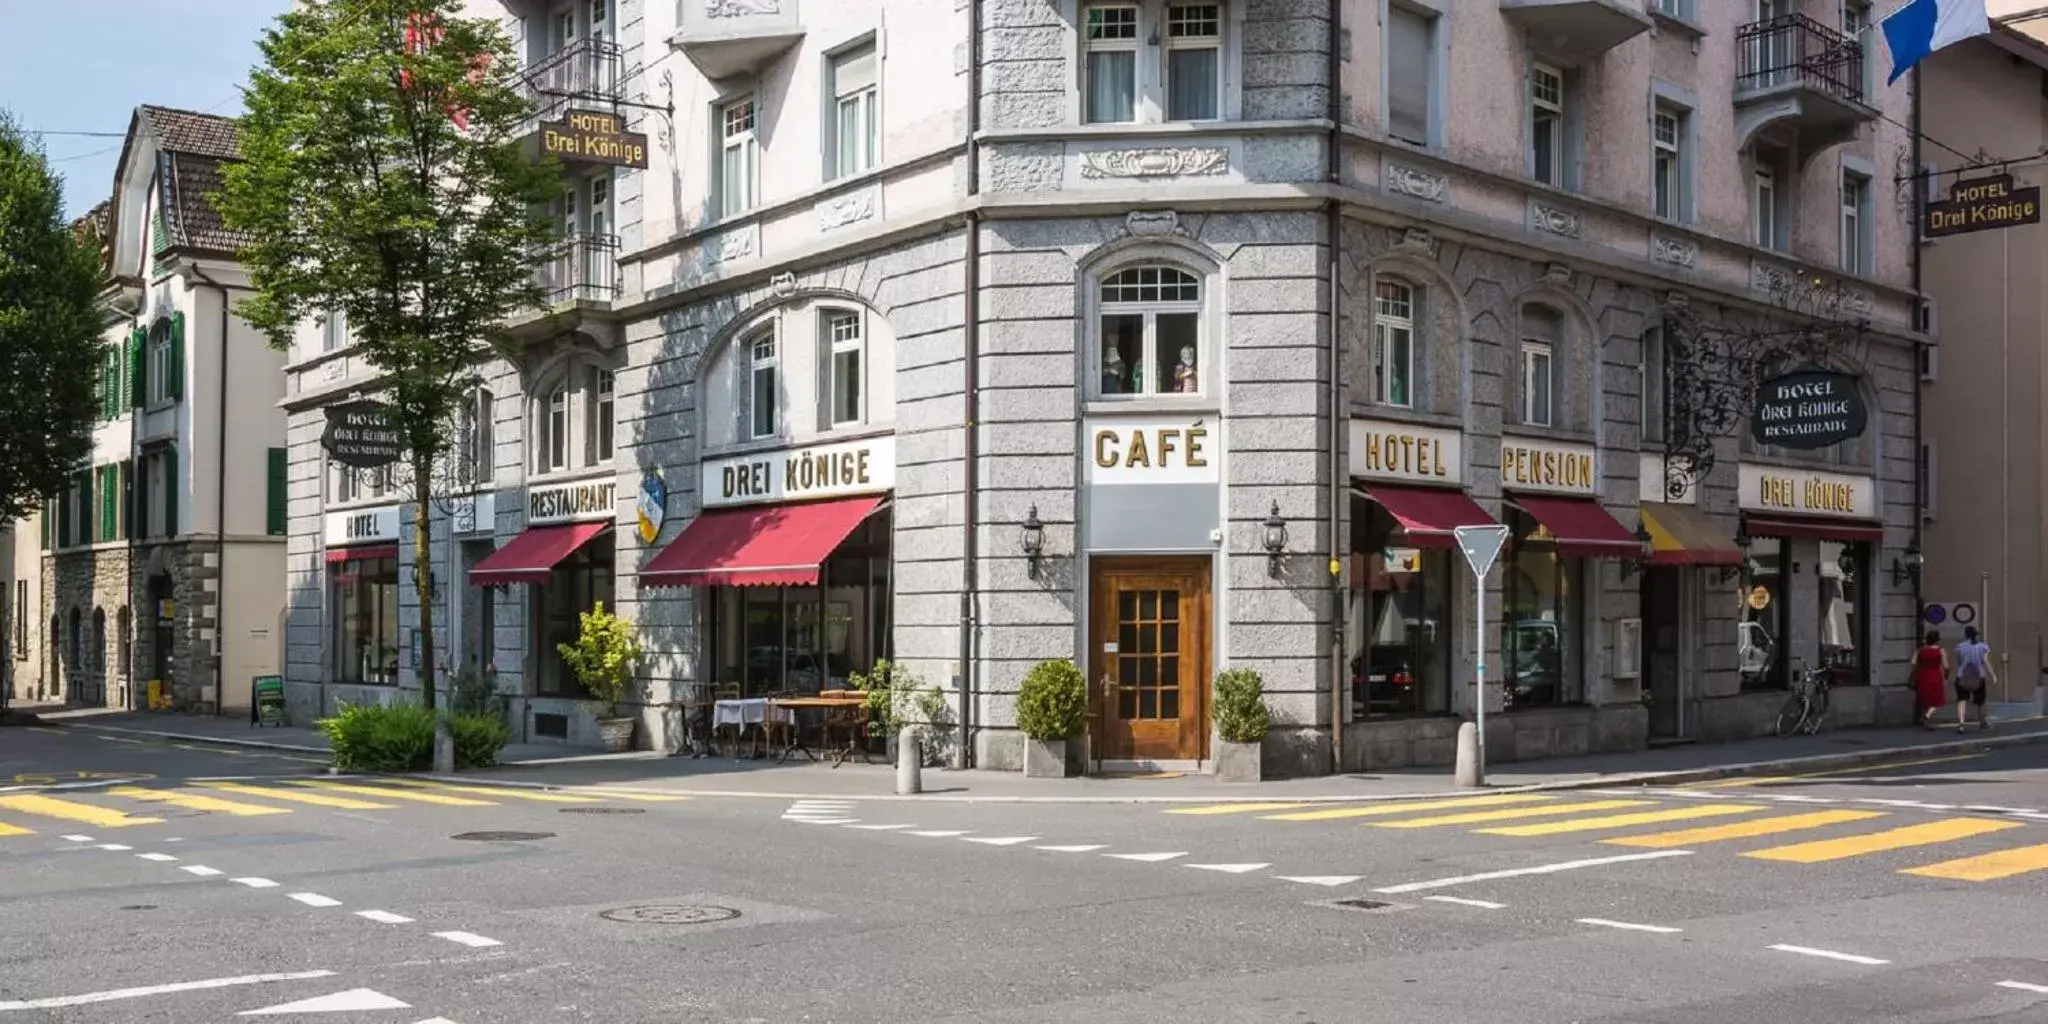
(423, 573)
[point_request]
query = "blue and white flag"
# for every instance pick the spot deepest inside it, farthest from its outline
(1924, 26)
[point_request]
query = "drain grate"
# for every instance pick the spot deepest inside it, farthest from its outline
(603, 810)
(501, 837)
(672, 913)
(1366, 906)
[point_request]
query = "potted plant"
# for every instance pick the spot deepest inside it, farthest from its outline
(602, 660)
(1052, 708)
(1242, 721)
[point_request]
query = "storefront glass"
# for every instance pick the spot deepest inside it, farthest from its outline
(806, 639)
(364, 596)
(1540, 618)
(1842, 628)
(579, 583)
(1399, 625)
(1760, 622)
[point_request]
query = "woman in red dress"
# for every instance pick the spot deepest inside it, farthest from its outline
(1930, 677)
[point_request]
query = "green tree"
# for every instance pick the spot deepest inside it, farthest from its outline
(383, 176)
(50, 331)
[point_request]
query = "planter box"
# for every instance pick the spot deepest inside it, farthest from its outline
(1239, 762)
(1045, 759)
(615, 733)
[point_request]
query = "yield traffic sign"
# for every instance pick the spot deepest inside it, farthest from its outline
(1481, 545)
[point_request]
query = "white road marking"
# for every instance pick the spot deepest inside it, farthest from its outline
(355, 999)
(879, 828)
(1542, 869)
(383, 917)
(1228, 869)
(936, 834)
(58, 1002)
(78, 839)
(1330, 881)
(824, 821)
(468, 939)
(999, 840)
(1999, 810)
(314, 899)
(2024, 986)
(1083, 848)
(1915, 804)
(1146, 858)
(114, 846)
(158, 857)
(255, 883)
(435, 1020)
(1463, 902)
(1829, 954)
(1788, 798)
(201, 870)
(1627, 926)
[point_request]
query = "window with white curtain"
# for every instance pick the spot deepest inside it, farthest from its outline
(603, 414)
(1666, 171)
(1411, 73)
(1152, 60)
(1538, 381)
(1194, 62)
(739, 158)
(1856, 225)
(1110, 69)
(856, 127)
(574, 419)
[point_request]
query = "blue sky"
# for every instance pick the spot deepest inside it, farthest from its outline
(84, 66)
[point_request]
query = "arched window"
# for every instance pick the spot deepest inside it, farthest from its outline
(574, 425)
(124, 624)
(1149, 333)
(99, 638)
(77, 639)
(1393, 343)
(1542, 342)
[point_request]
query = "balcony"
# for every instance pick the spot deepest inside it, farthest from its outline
(580, 268)
(585, 74)
(1798, 73)
(727, 38)
(1577, 31)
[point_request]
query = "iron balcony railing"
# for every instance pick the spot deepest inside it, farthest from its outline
(1797, 50)
(581, 267)
(585, 73)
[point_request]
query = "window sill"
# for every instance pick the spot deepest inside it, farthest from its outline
(760, 445)
(1677, 25)
(359, 504)
(1152, 404)
(1547, 433)
(1152, 129)
(1405, 414)
(576, 474)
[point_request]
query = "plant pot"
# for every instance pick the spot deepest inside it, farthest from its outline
(616, 734)
(1239, 762)
(1045, 759)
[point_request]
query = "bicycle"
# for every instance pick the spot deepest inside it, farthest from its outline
(1808, 703)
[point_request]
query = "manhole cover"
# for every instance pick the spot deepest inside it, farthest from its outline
(670, 914)
(1365, 905)
(603, 810)
(501, 837)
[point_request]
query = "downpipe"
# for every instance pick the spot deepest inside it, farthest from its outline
(963, 753)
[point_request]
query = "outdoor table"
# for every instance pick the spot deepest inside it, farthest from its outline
(752, 711)
(796, 743)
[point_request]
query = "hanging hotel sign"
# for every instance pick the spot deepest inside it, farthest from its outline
(377, 525)
(1382, 450)
(1808, 409)
(1981, 204)
(361, 434)
(1557, 467)
(1807, 492)
(588, 499)
(591, 137)
(800, 474)
(1150, 450)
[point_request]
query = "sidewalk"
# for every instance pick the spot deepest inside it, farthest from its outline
(546, 766)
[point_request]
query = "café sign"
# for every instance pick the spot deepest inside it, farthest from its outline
(866, 466)
(1981, 204)
(591, 137)
(1808, 409)
(361, 435)
(1558, 467)
(590, 499)
(1807, 492)
(1150, 450)
(1382, 450)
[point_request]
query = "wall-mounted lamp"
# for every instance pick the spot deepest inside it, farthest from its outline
(1908, 568)
(1033, 541)
(1742, 538)
(1275, 540)
(1640, 563)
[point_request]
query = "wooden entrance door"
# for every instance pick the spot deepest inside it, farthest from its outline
(1149, 659)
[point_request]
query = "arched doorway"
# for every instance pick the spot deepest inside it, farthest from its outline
(74, 657)
(53, 675)
(94, 671)
(163, 615)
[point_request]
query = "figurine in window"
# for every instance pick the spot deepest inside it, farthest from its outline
(1113, 371)
(1185, 379)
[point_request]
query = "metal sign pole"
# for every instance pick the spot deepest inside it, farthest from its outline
(1479, 664)
(1481, 545)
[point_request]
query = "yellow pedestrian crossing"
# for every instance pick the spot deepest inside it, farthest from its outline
(195, 801)
(1924, 834)
(1989, 866)
(623, 794)
(298, 796)
(1233, 808)
(15, 830)
(537, 796)
(1612, 821)
(387, 792)
(1406, 806)
(1744, 829)
(1475, 817)
(71, 810)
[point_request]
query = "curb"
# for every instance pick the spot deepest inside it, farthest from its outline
(222, 741)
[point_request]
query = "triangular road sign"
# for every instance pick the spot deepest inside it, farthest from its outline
(351, 1000)
(1481, 545)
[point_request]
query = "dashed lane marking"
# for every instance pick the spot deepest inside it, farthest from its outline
(388, 793)
(314, 899)
(161, 858)
(383, 917)
(254, 882)
(1147, 858)
(1463, 902)
(470, 939)
(1079, 848)
(1540, 869)
(1228, 869)
(195, 801)
(70, 810)
(1234, 808)
(626, 794)
(1551, 828)
(1745, 829)
(201, 870)
(116, 847)
(937, 834)
(1476, 817)
(77, 839)
(2022, 986)
(1326, 881)
(1404, 806)
(1943, 831)
(1987, 867)
(880, 828)
(1868, 769)
(998, 840)
(60, 1002)
(1659, 929)
(298, 796)
(1829, 954)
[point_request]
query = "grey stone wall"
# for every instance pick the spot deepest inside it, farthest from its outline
(87, 581)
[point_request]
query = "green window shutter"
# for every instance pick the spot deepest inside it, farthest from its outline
(109, 502)
(48, 519)
(275, 521)
(174, 389)
(171, 492)
(110, 382)
(137, 347)
(127, 479)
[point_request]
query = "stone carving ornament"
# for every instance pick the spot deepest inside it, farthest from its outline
(837, 213)
(1155, 162)
(1152, 223)
(1422, 185)
(740, 8)
(1556, 220)
(1676, 251)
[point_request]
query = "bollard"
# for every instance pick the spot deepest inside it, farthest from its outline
(909, 763)
(444, 747)
(1469, 773)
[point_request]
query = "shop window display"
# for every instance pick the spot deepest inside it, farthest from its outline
(1399, 625)
(1760, 624)
(1541, 618)
(1842, 630)
(365, 598)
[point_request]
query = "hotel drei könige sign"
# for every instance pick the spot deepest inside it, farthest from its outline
(867, 466)
(1555, 467)
(1382, 450)
(1807, 492)
(1151, 450)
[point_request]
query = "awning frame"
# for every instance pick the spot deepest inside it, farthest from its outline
(1630, 553)
(747, 573)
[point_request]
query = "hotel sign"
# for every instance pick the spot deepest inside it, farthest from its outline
(361, 435)
(590, 137)
(800, 474)
(1382, 450)
(590, 499)
(1808, 409)
(1981, 204)
(1807, 492)
(1557, 467)
(376, 525)
(1128, 450)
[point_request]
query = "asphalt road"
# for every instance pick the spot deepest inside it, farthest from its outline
(189, 899)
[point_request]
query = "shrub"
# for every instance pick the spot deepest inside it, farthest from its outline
(479, 738)
(380, 737)
(896, 697)
(602, 657)
(1241, 714)
(475, 691)
(1052, 703)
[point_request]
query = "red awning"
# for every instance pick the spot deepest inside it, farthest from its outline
(1428, 516)
(1810, 528)
(762, 546)
(532, 556)
(1583, 529)
(361, 553)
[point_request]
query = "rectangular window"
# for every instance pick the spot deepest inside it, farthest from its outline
(1765, 199)
(1546, 125)
(856, 125)
(1394, 343)
(20, 612)
(478, 452)
(1194, 62)
(1540, 618)
(160, 363)
(558, 430)
(1537, 383)
(1654, 385)
(739, 158)
(1667, 167)
(1856, 223)
(762, 391)
(1411, 69)
(1151, 332)
(1109, 87)
(364, 597)
(333, 330)
(1674, 8)
(604, 411)
(842, 384)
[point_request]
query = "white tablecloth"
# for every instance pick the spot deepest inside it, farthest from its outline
(746, 712)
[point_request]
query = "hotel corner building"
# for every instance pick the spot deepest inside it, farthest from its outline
(900, 279)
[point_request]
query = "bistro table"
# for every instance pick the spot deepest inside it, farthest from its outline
(754, 711)
(828, 704)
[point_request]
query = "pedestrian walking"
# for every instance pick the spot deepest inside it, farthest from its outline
(1930, 677)
(1973, 679)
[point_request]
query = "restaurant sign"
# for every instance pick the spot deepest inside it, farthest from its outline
(1557, 467)
(800, 474)
(1981, 204)
(1808, 409)
(589, 499)
(590, 137)
(1382, 450)
(361, 434)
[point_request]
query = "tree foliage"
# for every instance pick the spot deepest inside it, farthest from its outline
(383, 176)
(50, 331)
